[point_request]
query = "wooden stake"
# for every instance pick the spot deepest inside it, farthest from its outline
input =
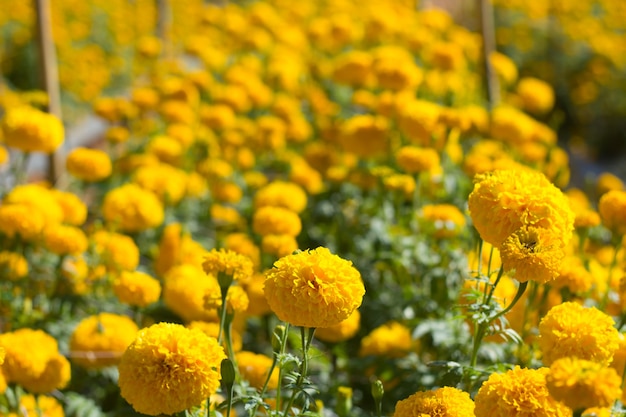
(487, 27)
(50, 78)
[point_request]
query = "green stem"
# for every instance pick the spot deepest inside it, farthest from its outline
(484, 326)
(306, 333)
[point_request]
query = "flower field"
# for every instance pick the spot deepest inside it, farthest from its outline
(311, 208)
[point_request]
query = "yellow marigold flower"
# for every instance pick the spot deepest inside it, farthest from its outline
(303, 174)
(313, 288)
(228, 262)
(608, 182)
(40, 405)
(392, 339)
(443, 220)
(225, 216)
(243, 244)
(612, 208)
(504, 201)
(365, 135)
(177, 111)
(504, 66)
(226, 192)
(167, 149)
(89, 165)
(571, 330)
(136, 288)
(73, 208)
(574, 276)
(31, 130)
(165, 181)
(197, 186)
(182, 133)
(38, 198)
(218, 117)
(447, 56)
(419, 119)
(537, 95)
(13, 266)
(392, 76)
(65, 240)
(518, 392)
(117, 134)
(116, 252)
(132, 208)
(401, 183)
(212, 329)
(33, 361)
(270, 220)
(169, 368)
(254, 368)
(185, 289)
(352, 68)
(532, 253)
(581, 384)
(413, 159)
(281, 194)
(20, 220)
(342, 331)
(278, 245)
(443, 402)
(99, 341)
(587, 218)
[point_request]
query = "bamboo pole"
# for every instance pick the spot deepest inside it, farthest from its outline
(50, 78)
(487, 27)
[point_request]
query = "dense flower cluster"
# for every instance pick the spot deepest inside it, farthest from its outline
(444, 402)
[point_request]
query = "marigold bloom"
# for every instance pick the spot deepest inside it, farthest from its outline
(132, 209)
(278, 245)
(167, 149)
(185, 289)
(443, 402)
(504, 201)
(165, 181)
(270, 220)
(73, 208)
(518, 392)
(136, 288)
(175, 248)
(281, 194)
(571, 330)
(20, 220)
(532, 253)
(89, 165)
(413, 159)
(607, 182)
(537, 95)
(581, 384)
(65, 240)
(169, 368)
(342, 331)
(612, 208)
(117, 252)
(574, 276)
(31, 130)
(444, 220)
(254, 368)
(38, 198)
(392, 339)
(313, 288)
(13, 266)
(99, 341)
(33, 361)
(228, 262)
(365, 135)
